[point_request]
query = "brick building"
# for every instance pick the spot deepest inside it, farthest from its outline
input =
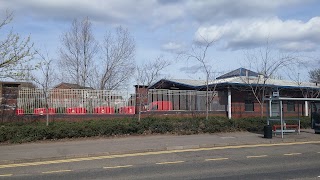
(237, 93)
(64, 85)
(9, 92)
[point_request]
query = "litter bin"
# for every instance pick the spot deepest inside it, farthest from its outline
(267, 132)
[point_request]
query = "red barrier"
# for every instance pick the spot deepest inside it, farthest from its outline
(104, 110)
(160, 106)
(42, 111)
(76, 110)
(127, 110)
(19, 111)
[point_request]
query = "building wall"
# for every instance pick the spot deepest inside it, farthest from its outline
(8, 95)
(141, 98)
(238, 106)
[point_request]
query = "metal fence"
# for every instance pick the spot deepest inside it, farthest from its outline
(75, 101)
(84, 101)
(185, 100)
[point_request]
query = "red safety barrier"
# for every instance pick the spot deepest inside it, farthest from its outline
(104, 110)
(127, 110)
(19, 111)
(160, 106)
(76, 110)
(42, 111)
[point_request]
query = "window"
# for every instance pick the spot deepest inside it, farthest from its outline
(291, 106)
(249, 105)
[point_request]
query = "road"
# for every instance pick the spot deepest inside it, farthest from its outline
(265, 161)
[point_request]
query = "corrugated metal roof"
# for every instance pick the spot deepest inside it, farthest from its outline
(243, 80)
(240, 76)
(269, 82)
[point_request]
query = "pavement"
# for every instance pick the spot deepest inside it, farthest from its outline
(88, 147)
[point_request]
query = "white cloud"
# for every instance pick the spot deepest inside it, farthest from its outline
(192, 69)
(151, 12)
(298, 46)
(98, 10)
(163, 14)
(173, 47)
(289, 35)
(223, 10)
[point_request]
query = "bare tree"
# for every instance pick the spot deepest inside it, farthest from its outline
(15, 52)
(117, 65)
(314, 75)
(147, 74)
(44, 78)
(77, 53)
(198, 53)
(267, 64)
(150, 72)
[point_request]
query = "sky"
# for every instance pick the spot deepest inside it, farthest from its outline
(165, 27)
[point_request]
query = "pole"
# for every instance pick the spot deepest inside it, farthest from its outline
(229, 103)
(306, 108)
(268, 109)
(281, 119)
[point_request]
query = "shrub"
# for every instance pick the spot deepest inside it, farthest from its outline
(253, 124)
(188, 126)
(218, 124)
(162, 127)
(18, 132)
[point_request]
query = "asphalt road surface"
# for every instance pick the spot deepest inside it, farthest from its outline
(286, 161)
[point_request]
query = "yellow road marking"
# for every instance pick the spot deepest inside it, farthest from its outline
(114, 167)
(59, 171)
(260, 156)
(216, 159)
(5, 175)
(291, 154)
(150, 153)
(172, 162)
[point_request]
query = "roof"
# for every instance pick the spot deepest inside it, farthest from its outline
(239, 72)
(16, 84)
(239, 77)
(239, 80)
(187, 84)
(141, 86)
(71, 86)
(255, 81)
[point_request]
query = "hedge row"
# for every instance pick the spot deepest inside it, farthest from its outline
(27, 132)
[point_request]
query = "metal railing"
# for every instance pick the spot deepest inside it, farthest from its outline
(186, 100)
(88, 101)
(75, 101)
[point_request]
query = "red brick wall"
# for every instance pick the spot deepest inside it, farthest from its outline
(141, 97)
(238, 106)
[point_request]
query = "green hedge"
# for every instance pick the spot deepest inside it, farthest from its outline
(26, 132)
